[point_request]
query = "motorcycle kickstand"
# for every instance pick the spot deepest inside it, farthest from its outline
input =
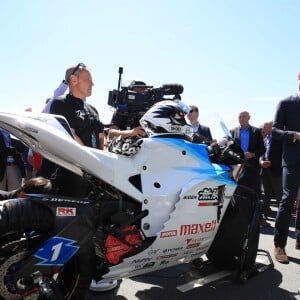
(258, 268)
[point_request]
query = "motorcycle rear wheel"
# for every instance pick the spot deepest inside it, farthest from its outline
(15, 251)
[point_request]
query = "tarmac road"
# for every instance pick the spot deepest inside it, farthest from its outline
(184, 281)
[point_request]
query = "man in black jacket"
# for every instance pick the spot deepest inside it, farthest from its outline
(85, 125)
(87, 130)
(271, 168)
(251, 141)
(286, 128)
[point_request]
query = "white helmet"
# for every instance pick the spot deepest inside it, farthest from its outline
(167, 116)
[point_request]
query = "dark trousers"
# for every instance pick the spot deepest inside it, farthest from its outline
(271, 185)
(290, 183)
(251, 178)
(65, 183)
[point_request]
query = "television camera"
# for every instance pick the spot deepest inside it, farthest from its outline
(130, 103)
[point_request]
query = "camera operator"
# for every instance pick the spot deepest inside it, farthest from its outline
(128, 125)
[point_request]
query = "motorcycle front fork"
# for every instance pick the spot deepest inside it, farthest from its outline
(37, 287)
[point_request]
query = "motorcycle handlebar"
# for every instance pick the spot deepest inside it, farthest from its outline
(230, 154)
(225, 154)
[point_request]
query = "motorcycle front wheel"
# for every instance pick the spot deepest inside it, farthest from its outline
(68, 284)
(228, 249)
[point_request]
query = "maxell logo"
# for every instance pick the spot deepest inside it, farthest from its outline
(169, 233)
(66, 211)
(198, 228)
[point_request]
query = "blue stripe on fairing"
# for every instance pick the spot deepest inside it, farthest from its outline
(195, 150)
(199, 152)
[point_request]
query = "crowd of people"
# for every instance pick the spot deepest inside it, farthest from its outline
(272, 151)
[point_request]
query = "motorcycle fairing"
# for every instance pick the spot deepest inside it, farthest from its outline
(182, 240)
(162, 180)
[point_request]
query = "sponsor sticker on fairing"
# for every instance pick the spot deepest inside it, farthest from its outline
(190, 246)
(190, 197)
(208, 194)
(175, 128)
(169, 233)
(188, 229)
(177, 249)
(66, 211)
(166, 256)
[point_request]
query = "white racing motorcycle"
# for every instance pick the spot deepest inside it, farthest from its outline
(165, 202)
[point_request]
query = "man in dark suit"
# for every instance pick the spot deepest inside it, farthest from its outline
(12, 168)
(271, 168)
(202, 132)
(286, 128)
(251, 141)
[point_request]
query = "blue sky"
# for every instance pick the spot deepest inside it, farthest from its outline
(229, 55)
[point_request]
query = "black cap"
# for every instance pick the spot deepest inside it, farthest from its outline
(137, 83)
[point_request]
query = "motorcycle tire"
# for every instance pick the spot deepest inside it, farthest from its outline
(68, 284)
(227, 250)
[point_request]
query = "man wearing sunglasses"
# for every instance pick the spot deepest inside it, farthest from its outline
(85, 126)
(86, 129)
(202, 132)
(82, 117)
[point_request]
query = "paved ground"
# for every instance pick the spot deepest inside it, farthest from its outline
(279, 283)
